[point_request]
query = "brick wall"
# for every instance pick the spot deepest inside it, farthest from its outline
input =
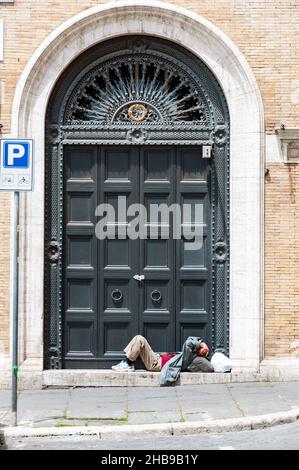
(267, 32)
(281, 261)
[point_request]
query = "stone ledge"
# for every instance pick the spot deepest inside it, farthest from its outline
(275, 370)
(109, 378)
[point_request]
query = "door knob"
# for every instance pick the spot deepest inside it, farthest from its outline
(139, 278)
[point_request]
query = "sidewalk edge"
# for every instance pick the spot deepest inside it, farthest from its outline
(157, 430)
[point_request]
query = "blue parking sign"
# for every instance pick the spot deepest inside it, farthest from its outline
(16, 164)
(16, 154)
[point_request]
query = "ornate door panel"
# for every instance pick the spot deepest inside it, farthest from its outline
(101, 297)
(193, 257)
(80, 263)
(118, 261)
(157, 301)
(105, 304)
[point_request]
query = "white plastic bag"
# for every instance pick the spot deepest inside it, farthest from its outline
(220, 362)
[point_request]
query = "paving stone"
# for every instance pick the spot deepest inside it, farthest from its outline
(202, 390)
(255, 399)
(96, 406)
(289, 392)
(96, 413)
(153, 404)
(103, 395)
(151, 392)
(39, 405)
(213, 399)
(214, 410)
(154, 417)
(5, 398)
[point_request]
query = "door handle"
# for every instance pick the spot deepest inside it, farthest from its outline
(139, 278)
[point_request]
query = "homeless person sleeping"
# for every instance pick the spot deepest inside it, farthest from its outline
(193, 358)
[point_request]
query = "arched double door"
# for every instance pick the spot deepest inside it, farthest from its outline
(133, 124)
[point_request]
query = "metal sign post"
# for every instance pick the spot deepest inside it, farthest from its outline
(15, 316)
(16, 174)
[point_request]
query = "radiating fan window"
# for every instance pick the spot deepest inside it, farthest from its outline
(142, 90)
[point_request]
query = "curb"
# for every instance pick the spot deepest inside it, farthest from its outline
(157, 430)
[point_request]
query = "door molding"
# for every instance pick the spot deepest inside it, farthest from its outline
(230, 68)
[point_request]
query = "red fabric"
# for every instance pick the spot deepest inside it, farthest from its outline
(165, 358)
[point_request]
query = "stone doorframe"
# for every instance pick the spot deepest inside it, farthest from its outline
(213, 47)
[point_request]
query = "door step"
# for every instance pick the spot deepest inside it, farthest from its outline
(140, 378)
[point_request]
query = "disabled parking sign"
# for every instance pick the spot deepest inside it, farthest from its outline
(16, 165)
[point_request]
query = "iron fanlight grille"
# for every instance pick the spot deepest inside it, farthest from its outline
(141, 89)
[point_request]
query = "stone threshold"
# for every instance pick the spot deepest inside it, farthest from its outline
(139, 378)
(274, 370)
(30, 379)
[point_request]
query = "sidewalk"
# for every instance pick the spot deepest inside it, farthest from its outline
(113, 406)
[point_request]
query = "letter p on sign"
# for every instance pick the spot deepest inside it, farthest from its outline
(16, 155)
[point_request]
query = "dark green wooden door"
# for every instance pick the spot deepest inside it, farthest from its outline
(104, 303)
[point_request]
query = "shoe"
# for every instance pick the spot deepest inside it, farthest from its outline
(123, 366)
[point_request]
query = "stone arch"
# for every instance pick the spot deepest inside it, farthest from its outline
(230, 68)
